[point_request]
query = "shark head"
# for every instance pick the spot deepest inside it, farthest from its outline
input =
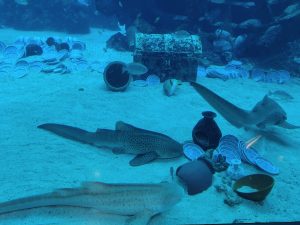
(268, 113)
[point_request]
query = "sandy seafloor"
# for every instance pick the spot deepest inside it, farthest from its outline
(33, 161)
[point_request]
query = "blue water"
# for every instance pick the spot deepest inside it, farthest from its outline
(53, 61)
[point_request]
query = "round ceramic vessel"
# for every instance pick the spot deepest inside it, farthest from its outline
(115, 77)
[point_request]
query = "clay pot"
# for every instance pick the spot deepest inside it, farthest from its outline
(206, 133)
(115, 76)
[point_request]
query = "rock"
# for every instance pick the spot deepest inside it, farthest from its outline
(118, 42)
(270, 36)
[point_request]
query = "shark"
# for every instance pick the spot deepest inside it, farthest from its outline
(265, 113)
(140, 202)
(262, 119)
(146, 145)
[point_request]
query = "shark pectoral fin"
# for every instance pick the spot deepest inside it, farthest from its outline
(287, 125)
(118, 150)
(261, 125)
(140, 218)
(143, 159)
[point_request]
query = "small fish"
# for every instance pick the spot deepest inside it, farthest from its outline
(281, 95)
(135, 69)
(83, 2)
(21, 2)
(170, 86)
(157, 19)
(245, 4)
(120, 4)
(180, 18)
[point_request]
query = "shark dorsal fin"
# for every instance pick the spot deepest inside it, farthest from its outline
(122, 126)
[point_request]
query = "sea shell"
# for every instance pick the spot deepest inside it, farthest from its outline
(170, 86)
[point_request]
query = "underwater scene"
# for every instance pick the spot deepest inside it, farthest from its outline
(157, 112)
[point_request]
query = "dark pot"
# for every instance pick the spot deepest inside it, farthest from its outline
(115, 77)
(206, 133)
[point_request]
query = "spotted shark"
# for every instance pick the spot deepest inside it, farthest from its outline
(138, 201)
(125, 139)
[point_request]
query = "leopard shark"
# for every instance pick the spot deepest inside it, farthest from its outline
(125, 139)
(140, 202)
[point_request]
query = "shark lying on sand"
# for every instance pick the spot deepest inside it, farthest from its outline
(140, 201)
(266, 113)
(146, 145)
